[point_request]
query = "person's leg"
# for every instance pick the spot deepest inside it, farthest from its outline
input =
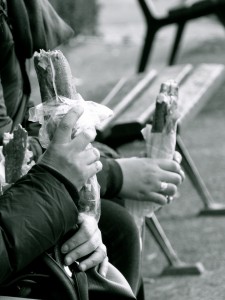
(121, 237)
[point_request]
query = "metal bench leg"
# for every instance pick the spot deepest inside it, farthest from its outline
(211, 207)
(176, 44)
(176, 266)
(148, 44)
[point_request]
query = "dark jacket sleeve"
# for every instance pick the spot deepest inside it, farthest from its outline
(34, 214)
(110, 178)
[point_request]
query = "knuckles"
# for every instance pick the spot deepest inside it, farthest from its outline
(102, 248)
(173, 190)
(89, 134)
(98, 165)
(96, 153)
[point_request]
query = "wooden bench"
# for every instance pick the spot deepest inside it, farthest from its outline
(179, 15)
(133, 102)
(133, 98)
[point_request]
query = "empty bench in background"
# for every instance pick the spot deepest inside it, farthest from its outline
(133, 102)
(180, 16)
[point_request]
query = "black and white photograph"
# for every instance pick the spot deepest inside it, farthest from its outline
(112, 149)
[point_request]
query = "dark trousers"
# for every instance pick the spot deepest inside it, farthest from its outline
(121, 237)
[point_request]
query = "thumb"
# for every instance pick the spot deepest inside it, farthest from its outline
(64, 130)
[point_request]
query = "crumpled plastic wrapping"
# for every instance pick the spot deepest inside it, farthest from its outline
(166, 140)
(49, 115)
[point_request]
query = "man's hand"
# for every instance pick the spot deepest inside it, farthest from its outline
(69, 156)
(87, 241)
(142, 178)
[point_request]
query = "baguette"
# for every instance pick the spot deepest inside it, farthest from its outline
(17, 158)
(55, 81)
(160, 141)
(54, 75)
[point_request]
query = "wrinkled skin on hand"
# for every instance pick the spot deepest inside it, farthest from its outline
(77, 162)
(87, 241)
(142, 178)
(70, 157)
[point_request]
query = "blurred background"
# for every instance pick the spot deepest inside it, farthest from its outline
(114, 30)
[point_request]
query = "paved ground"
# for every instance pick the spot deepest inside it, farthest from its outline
(97, 63)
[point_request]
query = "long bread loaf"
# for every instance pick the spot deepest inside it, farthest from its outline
(160, 141)
(55, 80)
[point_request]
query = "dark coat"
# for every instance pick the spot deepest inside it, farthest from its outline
(35, 213)
(39, 209)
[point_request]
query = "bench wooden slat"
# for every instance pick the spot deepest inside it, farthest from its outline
(198, 89)
(197, 85)
(131, 88)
